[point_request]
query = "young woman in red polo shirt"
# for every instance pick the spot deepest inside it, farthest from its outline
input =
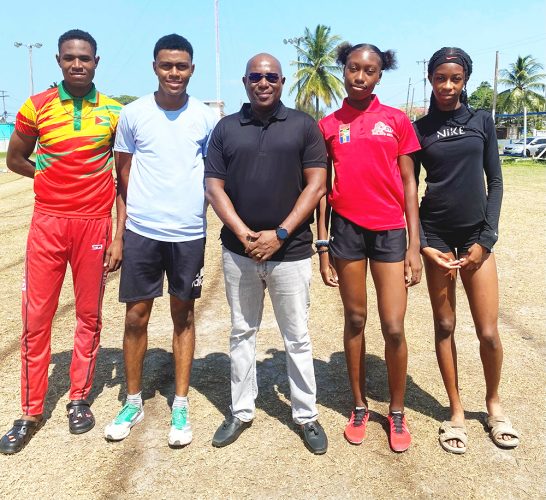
(460, 219)
(372, 199)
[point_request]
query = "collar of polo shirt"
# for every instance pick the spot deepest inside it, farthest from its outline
(246, 115)
(64, 95)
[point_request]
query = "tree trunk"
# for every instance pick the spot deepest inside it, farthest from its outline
(316, 107)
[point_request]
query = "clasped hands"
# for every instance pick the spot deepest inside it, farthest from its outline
(261, 245)
(471, 261)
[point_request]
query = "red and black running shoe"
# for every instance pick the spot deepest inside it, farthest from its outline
(355, 430)
(399, 435)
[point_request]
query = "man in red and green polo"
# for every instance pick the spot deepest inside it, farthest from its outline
(72, 128)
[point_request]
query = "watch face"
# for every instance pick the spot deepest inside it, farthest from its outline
(282, 233)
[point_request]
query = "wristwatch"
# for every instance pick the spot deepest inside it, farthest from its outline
(282, 233)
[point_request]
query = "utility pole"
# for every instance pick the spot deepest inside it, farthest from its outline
(3, 95)
(524, 126)
(495, 79)
(217, 30)
(407, 97)
(424, 63)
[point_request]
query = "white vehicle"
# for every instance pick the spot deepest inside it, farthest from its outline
(516, 148)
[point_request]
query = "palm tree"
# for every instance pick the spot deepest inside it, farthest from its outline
(524, 81)
(316, 77)
(310, 110)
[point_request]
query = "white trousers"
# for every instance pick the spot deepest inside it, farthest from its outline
(288, 284)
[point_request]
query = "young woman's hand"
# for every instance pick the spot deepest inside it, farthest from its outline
(413, 267)
(327, 271)
(476, 256)
(441, 259)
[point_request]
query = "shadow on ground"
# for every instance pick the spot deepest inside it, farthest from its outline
(211, 377)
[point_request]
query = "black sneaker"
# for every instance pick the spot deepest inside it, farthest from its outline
(229, 431)
(314, 437)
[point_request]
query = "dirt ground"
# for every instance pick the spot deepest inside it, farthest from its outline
(269, 460)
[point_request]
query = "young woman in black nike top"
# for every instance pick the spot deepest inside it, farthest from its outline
(459, 218)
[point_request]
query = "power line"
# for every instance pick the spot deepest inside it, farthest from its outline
(509, 45)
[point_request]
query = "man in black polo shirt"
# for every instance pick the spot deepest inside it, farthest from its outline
(265, 172)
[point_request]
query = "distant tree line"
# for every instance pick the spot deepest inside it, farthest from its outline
(524, 80)
(124, 99)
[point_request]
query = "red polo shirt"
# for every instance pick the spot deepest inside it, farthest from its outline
(364, 147)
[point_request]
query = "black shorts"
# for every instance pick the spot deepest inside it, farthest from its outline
(457, 241)
(145, 262)
(351, 242)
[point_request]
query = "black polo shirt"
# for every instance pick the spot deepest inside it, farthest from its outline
(262, 166)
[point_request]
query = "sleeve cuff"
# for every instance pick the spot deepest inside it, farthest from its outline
(487, 239)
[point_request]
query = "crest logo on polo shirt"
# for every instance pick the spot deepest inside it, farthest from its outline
(381, 129)
(344, 133)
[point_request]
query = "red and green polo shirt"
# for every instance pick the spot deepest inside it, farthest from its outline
(74, 158)
(364, 147)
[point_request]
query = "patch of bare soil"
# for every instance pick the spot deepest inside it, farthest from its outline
(269, 459)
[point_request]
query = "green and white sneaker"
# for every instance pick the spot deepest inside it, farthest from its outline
(120, 427)
(180, 434)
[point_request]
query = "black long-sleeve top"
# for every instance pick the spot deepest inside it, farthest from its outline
(458, 147)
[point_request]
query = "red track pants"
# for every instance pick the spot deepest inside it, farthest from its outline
(52, 243)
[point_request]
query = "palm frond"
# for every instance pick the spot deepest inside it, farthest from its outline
(317, 74)
(524, 80)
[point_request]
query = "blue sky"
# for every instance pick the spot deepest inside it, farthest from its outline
(126, 32)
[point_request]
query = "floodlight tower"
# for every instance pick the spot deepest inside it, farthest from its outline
(296, 43)
(29, 46)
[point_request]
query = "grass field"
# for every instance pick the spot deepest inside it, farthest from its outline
(269, 459)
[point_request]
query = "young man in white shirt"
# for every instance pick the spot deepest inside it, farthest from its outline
(160, 145)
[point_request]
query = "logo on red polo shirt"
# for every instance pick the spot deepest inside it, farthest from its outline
(344, 133)
(381, 129)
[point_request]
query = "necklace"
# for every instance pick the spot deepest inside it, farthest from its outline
(77, 117)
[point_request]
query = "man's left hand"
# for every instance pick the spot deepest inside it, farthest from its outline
(264, 246)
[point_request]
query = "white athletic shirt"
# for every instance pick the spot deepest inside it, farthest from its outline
(165, 197)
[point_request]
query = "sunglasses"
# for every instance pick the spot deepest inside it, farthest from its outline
(270, 77)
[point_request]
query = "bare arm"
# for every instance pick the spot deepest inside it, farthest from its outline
(412, 264)
(222, 205)
(327, 271)
(267, 243)
(314, 190)
(19, 150)
(114, 254)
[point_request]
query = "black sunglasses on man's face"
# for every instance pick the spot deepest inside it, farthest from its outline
(270, 77)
